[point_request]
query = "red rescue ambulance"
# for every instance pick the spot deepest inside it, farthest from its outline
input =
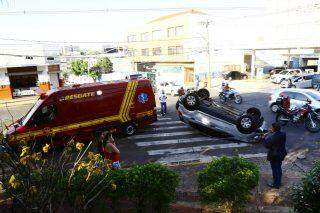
(81, 111)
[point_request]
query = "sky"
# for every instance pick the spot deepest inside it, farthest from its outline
(97, 26)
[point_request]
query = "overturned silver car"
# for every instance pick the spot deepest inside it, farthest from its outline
(197, 108)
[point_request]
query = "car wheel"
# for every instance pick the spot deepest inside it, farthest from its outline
(246, 124)
(312, 125)
(191, 101)
(203, 94)
(274, 107)
(238, 99)
(285, 84)
(222, 98)
(254, 112)
(130, 129)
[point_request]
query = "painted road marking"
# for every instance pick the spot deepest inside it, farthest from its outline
(164, 119)
(199, 158)
(158, 135)
(196, 149)
(159, 123)
(164, 128)
(175, 141)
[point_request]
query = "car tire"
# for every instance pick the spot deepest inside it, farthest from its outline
(130, 129)
(246, 124)
(274, 108)
(191, 101)
(285, 84)
(254, 112)
(203, 94)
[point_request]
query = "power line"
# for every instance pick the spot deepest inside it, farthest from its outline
(123, 10)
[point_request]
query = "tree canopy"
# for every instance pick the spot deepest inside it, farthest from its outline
(79, 67)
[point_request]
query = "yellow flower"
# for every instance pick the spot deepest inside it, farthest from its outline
(33, 190)
(46, 148)
(13, 182)
(25, 150)
(91, 155)
(24, 160)
(114, 186)
(36, 156)
(79, 146)
(81, 166)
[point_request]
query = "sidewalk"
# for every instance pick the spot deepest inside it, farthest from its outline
(18, 101)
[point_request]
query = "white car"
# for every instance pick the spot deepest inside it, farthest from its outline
(170, 88)
(298, 98)
(285, 75)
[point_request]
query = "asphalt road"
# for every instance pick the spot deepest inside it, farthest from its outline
(171, 142)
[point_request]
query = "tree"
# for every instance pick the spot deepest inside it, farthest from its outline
(95, 73)
(79, 67)
(104, 65)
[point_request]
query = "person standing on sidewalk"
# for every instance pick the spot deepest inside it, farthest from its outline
(275, 142)
(163, 102)
(110, 150)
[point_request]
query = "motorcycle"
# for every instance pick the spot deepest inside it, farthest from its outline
(306, 114)
(232, 95)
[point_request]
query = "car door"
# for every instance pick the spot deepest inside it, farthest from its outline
(308, 81)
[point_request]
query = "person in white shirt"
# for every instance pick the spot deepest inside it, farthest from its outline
(163, 102)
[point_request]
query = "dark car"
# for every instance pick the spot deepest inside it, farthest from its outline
(276, 70)
(234, 75)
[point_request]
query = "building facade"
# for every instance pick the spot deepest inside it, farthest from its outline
(175, 47)
(28, 71)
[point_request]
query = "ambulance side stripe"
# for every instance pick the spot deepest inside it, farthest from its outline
(132, 94)
(124, 102)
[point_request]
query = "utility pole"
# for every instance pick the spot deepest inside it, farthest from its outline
(207, 24)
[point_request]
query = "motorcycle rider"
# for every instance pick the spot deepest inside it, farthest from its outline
(226, 89)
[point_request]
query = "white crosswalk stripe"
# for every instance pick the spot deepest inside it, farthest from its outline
(166, 123)
(159, 135)
(196, 149)
(176, 141)
(164, 119)
(164, 128)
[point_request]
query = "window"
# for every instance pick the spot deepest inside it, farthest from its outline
(174, 50)
(156, 51)
(300, 97)
(145, 52)
(132, 38)
(171, 50)
(131, 53)
(289, 94)
(44, 115)
(170, 32)
(50, 58)
(179, 30)
(145, 37)
(156, 35)
(29, 57)
(179, 49)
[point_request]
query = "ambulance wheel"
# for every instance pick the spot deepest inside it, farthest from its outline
(191, 101)
(246, 124)
(203, 94)
(130, 129)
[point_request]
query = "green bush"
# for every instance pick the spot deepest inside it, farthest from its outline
(228, 181)
(306, 195)
(152, 184)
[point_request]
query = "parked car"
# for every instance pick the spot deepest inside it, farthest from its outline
(298, 98)
(196, 108)
(285, 75)
(300, 81)
(276, 70)
(82, 111)
(234, 75)
(170, 88)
